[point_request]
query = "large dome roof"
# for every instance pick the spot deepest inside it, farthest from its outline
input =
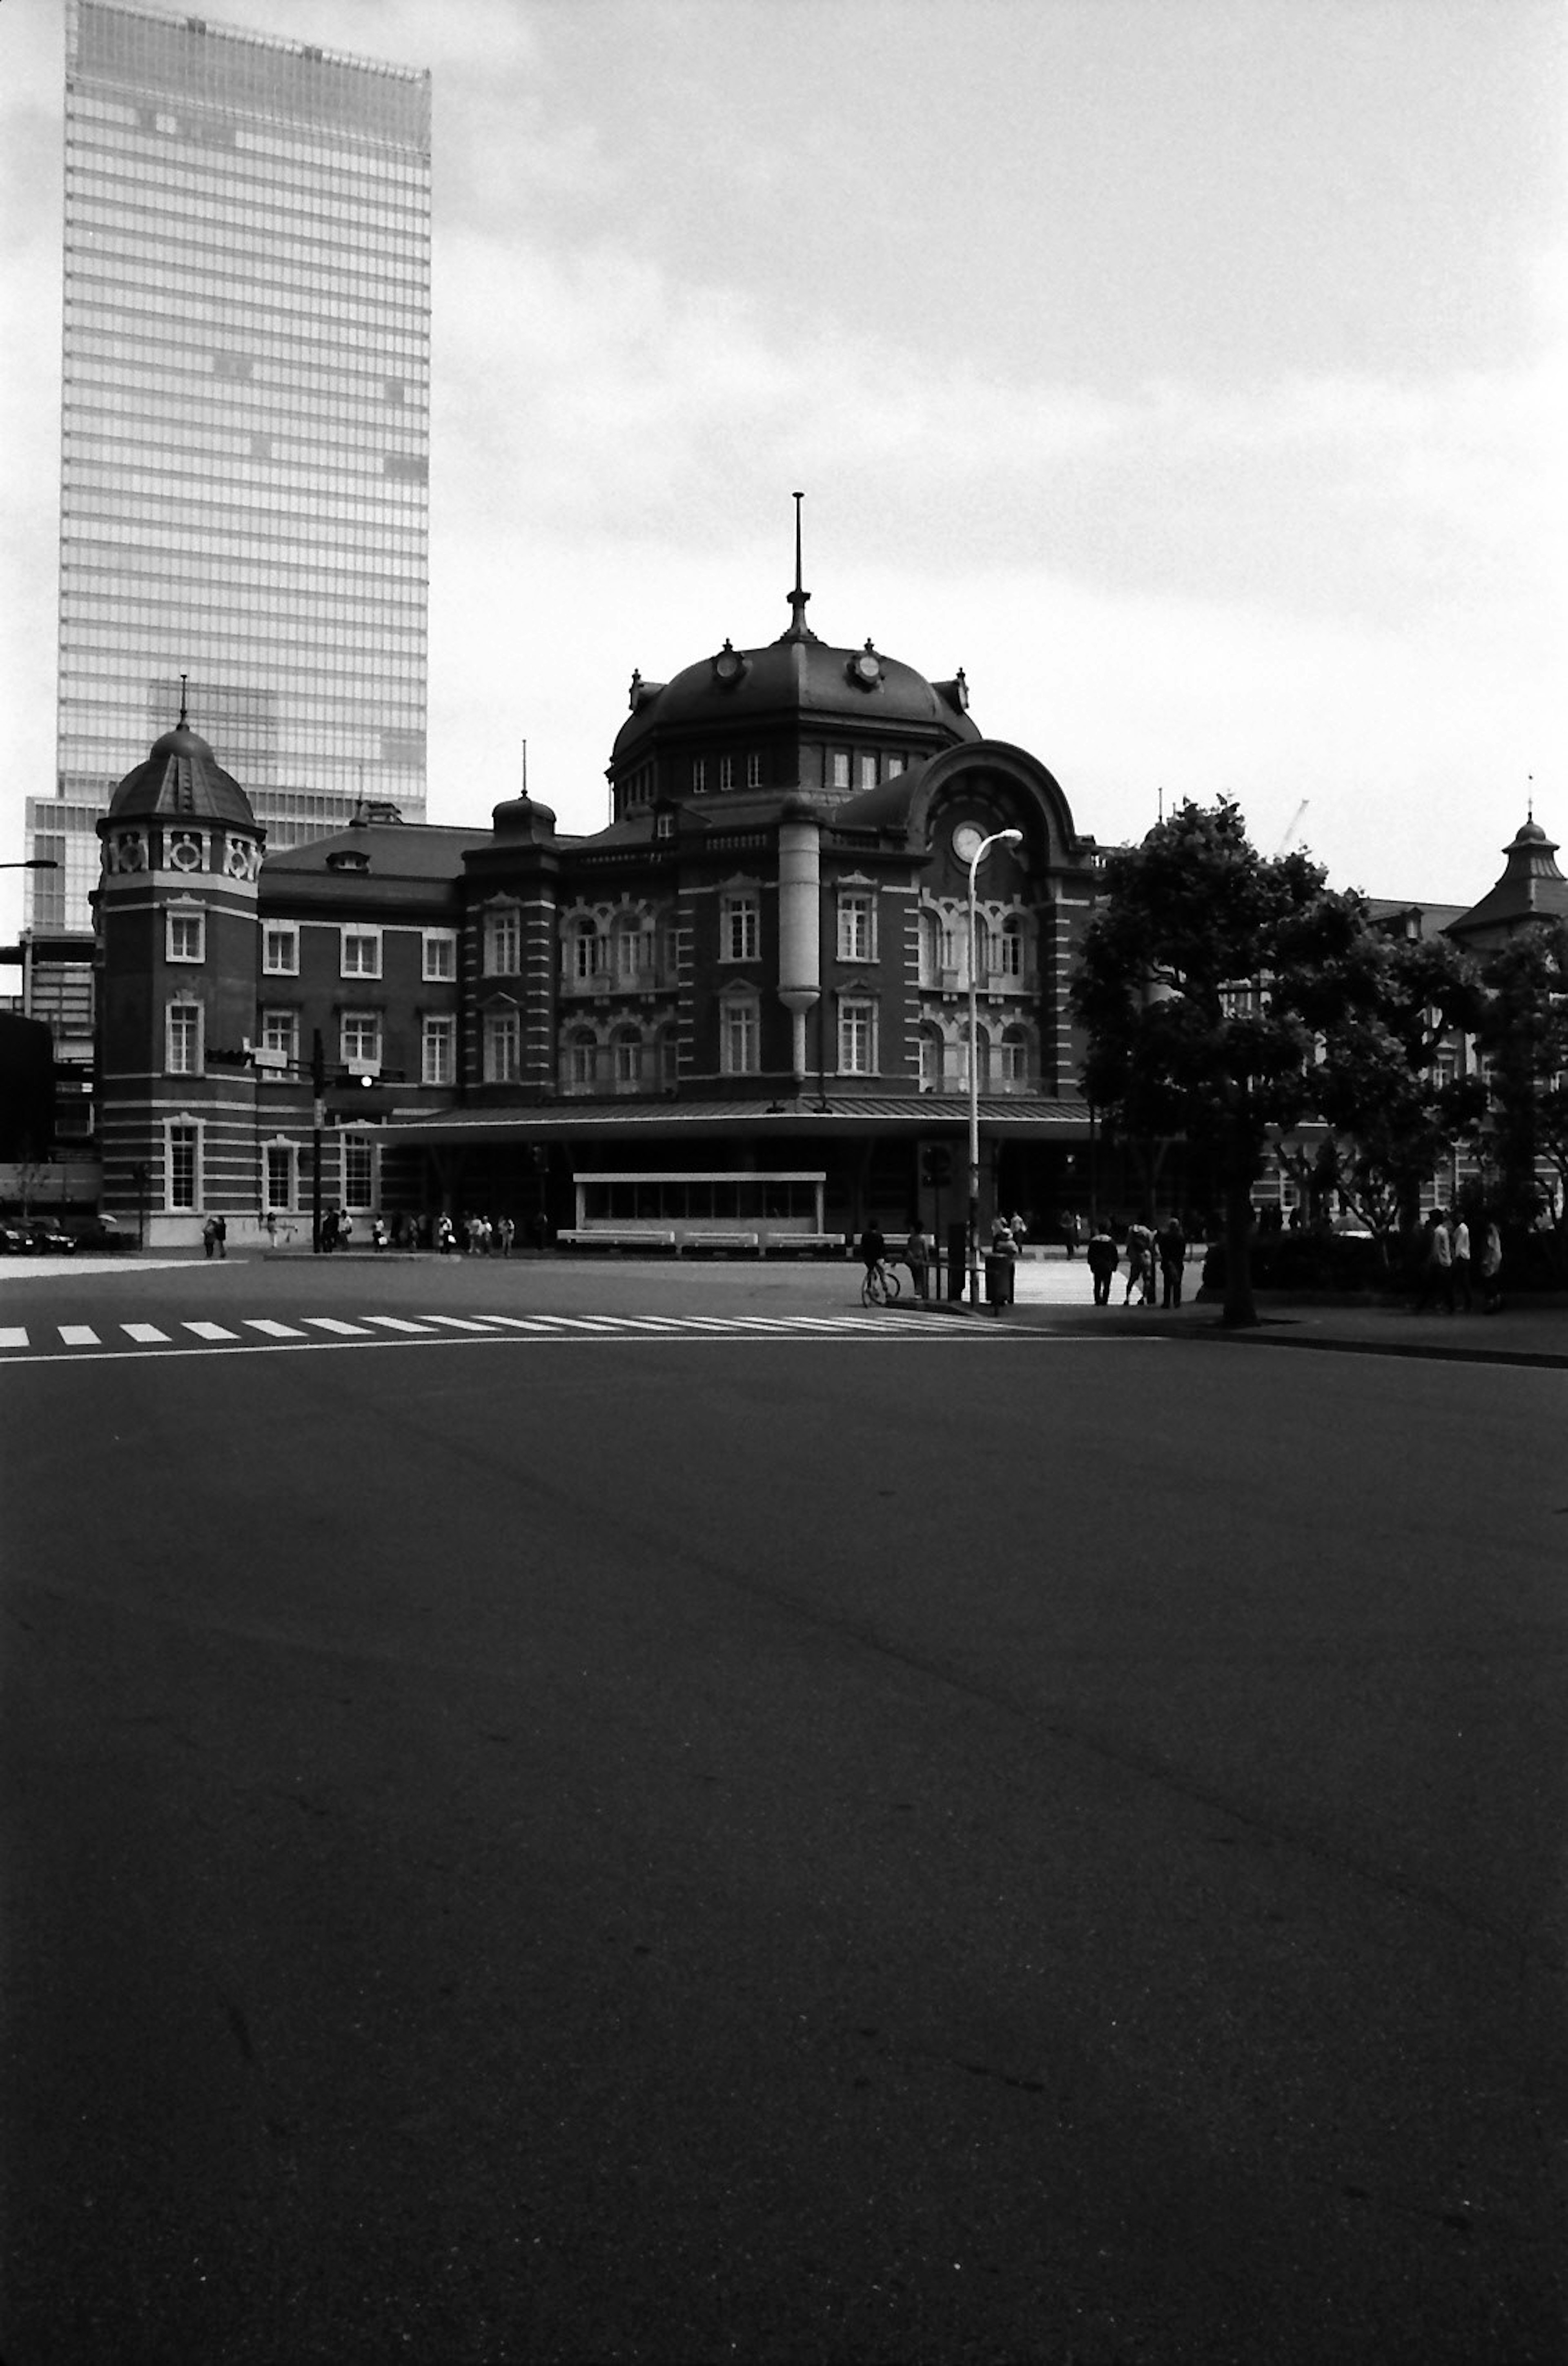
(791, 679)
(181, 781)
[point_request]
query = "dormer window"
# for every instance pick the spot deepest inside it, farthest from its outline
(699, 774)
(349, 858)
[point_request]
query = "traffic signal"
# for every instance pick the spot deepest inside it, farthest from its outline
(936, 1165)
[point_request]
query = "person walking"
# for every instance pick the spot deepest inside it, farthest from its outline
(505, 1231)
(209, 1235)
(917, 1257)
(1459, 1253)
(1140, 1263)
(1102, 1262)
(1492, 1271)
(1436, 1265)
(1172, 1261)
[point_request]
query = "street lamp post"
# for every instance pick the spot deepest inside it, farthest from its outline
(998, 838)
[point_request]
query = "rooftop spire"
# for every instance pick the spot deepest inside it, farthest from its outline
(184, 718)
(798, 628)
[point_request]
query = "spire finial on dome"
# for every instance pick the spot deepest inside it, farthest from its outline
(799, 597)
(185, 718)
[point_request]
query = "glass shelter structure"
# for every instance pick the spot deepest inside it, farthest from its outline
(245, 444)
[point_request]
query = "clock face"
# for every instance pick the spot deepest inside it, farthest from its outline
(867, 666)
(967, 841)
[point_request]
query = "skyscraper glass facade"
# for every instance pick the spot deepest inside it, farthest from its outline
(245, 464)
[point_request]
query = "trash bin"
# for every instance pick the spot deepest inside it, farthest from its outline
(999, 1280)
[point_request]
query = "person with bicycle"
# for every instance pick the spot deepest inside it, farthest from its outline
(873, 1247)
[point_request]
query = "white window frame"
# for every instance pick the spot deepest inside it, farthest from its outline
(289, 1153)
(740, 1035)
(280, 1032)
(502, 1033)
(586, 959)
(186, 1129)
(929, 1056)
(837, 768)
(726, 772)
(437, 1048)
(1007, 945)
(579, 1060)
(181, 917)
(857, 924)
(196, 1033)
(929, 948)
(365, 1026)
(628, 1055)
(865, 765)
(740, 926)
(438, 958)
(857, 1035)
(504, 942)
(1012, 1059)
(699, 775)
(280, 949)
(353, 1145)
(362, 937)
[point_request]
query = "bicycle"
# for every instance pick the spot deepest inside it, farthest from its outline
(881, 1286)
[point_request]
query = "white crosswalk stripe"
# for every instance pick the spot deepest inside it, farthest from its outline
(209, 1331)
(271, 1330)
(78, 1334)
(399, 1322)
(146, 1335)
(334, 1324)
(12, 1336)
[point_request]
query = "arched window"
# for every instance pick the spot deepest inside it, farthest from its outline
(579, 1061)
(930, 950)
(931, 1059)
(982, 1058)
(1013, 1059)
(582, 950)
(627, 1058)
(631, 954)
(1011, 938)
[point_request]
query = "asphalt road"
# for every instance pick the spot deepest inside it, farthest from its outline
(912, 1842)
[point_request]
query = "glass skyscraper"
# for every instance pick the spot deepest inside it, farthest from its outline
(245, 447)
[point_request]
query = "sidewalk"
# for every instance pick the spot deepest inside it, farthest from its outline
(1526, 1332)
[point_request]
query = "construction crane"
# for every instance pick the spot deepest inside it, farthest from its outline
(1295, 824)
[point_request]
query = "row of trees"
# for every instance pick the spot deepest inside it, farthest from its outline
(1232, 999)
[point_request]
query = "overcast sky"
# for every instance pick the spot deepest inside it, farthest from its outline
(1192, 372)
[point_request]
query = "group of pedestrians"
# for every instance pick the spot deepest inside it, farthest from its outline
(1446, 1259)
(1152, 1256)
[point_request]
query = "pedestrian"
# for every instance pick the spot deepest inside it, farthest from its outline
(1072, 1233)
(872, 1247)
(1436, 1265)
(222, 1224)
(1458, 1253)
(1140, 1263)
(1018, 1227)
(504, 1232)
(209, 1234)
(1102, 1262)
(445, 1235)
(329, 1231)
(344, 1229)
(1492, 1271)
(917, 1257)
(1000, 1275)
(1172, 1261)
(378, 1234)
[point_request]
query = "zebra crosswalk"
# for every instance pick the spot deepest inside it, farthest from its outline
(67, 1341)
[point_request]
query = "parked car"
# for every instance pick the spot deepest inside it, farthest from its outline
(101, 1233)
(47, 1239)
(14, 1241)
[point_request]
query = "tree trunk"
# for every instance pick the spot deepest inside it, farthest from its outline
(1240, 1311)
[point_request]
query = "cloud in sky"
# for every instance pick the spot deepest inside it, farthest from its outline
(1192, 373)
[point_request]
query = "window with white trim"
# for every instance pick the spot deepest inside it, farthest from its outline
(503, 943)
(634, 949)
(581, 1063)
(929, 1043)
(741, 1030)
(857, 1038)
(857, 926)
(754, 769)
(185, 936)
(440, 960)
(738, 921)
(183, 1169)
(281, 1168)
(1013, 1058)
(726, 772)
(585, 941)
(866, 768)
(897, 764)
(699, 774)
(983, 1059)
(436, 1046)
(359, 1170)
(280, 949)
(839, 769)
(184, 1038)
(930, 950)
(280, 1032)
(626, 1056)
(1007, 946)
(502, 1046)
(360, 1036)
(361, 954)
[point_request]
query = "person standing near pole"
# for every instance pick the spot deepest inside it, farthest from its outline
(1172, 1247)
(1459, 1246)
(918, 1256)
(1103, 1261)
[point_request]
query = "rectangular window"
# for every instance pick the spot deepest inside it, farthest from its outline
(359, 1172)
(280, 1032)
(503, 1037)
(436, 1053)
(754, 771)
(186, 936)
(440, 955)
(839, 769)
(699, 773)
(503, 944)
(738, 1047)
(726, 772)
(359, 1037)
(280, 1175)
(737, 929)
(895, 764)
(857, 940)
(857, 1039)
(867, 770)
(361, 953)
(184, 1176)
(185, 1039)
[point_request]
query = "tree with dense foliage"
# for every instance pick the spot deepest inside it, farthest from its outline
(1393, 1113)
(1206, 976)
(1522, 1035)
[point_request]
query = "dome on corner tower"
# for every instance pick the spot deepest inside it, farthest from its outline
(182, 781)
